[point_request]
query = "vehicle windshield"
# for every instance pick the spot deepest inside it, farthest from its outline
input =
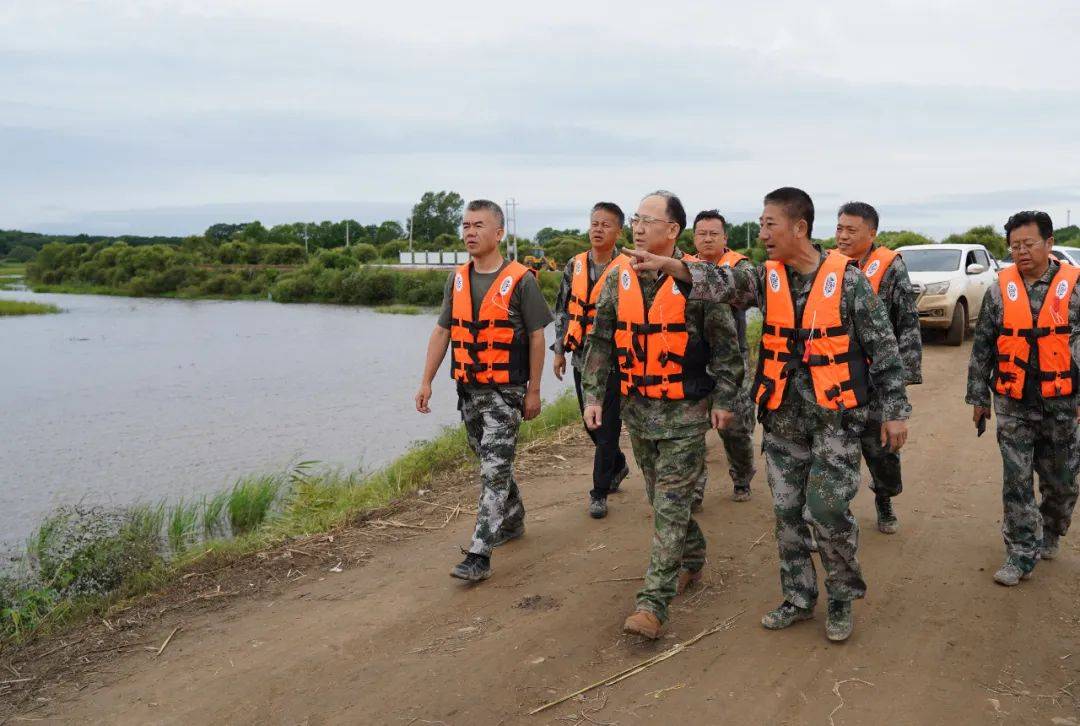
(932, 260)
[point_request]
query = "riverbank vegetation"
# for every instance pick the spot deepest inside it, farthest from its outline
(81, 561)
(17, 307)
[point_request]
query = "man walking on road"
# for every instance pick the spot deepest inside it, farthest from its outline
(493, 319)
(825, 340)
(710, 241)
(675, 360)
(575, 310)
(856, 234)
(1026, 350)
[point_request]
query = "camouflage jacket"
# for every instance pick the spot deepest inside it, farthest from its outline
(562, 302)
(983, 364)
(653, 418)
(861, 312)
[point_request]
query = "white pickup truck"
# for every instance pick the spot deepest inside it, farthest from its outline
(950, 282)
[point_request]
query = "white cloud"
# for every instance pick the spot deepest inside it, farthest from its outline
(108, 105)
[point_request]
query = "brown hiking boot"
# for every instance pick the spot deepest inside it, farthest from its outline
(687, 579)
(642, 622)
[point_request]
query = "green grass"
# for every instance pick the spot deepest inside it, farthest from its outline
(753, 341)
(18, 307)
(401, 309)
(80, 562)
(17, 269)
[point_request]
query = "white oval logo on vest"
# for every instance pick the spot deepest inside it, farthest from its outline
(458, 282)
(1012, 291)
(675, 288)
(1062, 288)
(577, 267)
(872, 268)
(829, 288)
(774, 280)
(625, 279)
(507, 283)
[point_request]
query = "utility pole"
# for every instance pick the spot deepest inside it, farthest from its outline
(511, 226)
(1068, 217)
(306, 252)
(412, 223)
(346, 234)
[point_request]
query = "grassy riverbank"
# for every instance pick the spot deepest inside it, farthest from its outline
(81, 561)
(18, 307)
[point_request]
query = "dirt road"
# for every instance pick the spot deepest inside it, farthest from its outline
(397, 641)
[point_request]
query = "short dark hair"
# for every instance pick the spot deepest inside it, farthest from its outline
(610, 208)
(863, 210)
(479, 205)
(797, 205)
(1042, 219)
(710, 214)
(674, 208)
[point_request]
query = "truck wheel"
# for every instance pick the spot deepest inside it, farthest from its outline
(958, 326)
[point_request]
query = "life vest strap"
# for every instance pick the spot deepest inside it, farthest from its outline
(1034, 333)
(477, 326)
(807, 333)
(824, 360)
(775, 355)
(651, 328)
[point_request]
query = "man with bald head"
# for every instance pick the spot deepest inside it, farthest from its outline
(679, 371)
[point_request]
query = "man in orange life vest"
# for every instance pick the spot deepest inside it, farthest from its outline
(856, 234)
(679, 369)
(710, 241)
(1026, 350)
(825, 340)
(493, 319)
(575, 309)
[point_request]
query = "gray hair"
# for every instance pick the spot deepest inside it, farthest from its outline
(674, 207)
(477, 205)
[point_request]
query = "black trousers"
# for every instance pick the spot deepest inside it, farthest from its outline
(608, 459)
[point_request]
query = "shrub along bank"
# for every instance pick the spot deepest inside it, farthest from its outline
(330, 276)
(80, 561)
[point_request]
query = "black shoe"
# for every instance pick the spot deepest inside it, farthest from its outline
(474, 568)
(741, 494)
(598, 507)
(623, 473)
(886, 518)
(505, 535)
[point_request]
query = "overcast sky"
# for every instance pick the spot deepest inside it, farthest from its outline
(162, 116)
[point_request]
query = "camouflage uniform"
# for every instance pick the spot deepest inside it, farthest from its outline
(899, 299)
(608, 458)
(492, 413)
(812, 453)
(492, 417)
(1035, 434)
(738, 437)
(668, 436)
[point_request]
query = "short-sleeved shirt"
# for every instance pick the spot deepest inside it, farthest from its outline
(529, 310)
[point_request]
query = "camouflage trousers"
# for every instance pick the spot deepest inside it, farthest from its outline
(884, 465)
(492, 417)
(819, 472)
(1046, 448)
(738, 440)
(671, 468)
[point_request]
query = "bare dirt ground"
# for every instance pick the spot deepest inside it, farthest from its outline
(391, 639)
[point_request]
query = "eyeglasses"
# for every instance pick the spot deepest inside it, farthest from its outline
(1024, 247)
(646, 219)
(709, 234)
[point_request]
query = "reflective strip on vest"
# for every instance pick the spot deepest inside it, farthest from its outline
(822, 344)
(1054, 367)
(481, 349)
(581, 307)
(650, 346)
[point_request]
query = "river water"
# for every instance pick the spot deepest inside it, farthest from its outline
(119, 400)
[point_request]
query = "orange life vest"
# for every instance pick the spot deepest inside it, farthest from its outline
(581, 306)
(485, 351)
(730, 259)
(837, 364)
(656, 355)
(1054, 368)
(876, 265)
